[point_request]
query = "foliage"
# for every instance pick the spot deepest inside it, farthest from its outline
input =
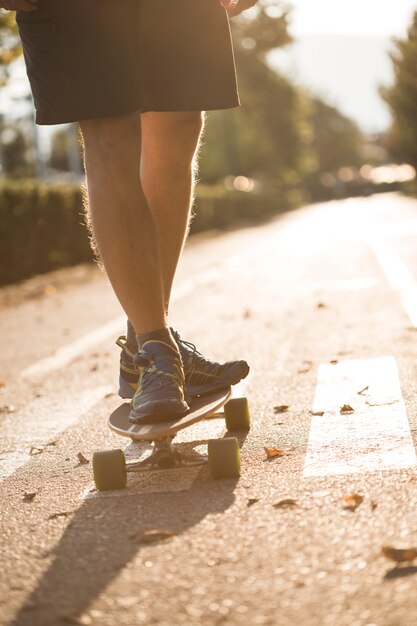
(334, 139)
(10, 47)
(402, 98)
(280, 133)
(261, 137)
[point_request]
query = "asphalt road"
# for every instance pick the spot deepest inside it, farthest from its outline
(322, 302)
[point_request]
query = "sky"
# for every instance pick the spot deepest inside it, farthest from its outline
(379, 18)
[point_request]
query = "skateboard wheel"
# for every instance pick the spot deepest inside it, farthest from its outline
(109, 470)
(224, 457)
(237, 414)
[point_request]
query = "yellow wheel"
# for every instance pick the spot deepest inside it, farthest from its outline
(237, 414)
(109, 470)
(224, 457)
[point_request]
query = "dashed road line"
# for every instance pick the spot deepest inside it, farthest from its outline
(42, 421)
(375, 436)
(398, 275)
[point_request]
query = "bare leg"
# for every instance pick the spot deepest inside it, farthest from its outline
(123, 226)
(168, 167)
(168, 171)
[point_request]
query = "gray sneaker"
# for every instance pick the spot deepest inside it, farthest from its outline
(160, 394)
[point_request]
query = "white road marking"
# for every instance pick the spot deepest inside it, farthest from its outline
(376, 436)
(396, 229)
(68, 353)
(41, 422)
(398, 275)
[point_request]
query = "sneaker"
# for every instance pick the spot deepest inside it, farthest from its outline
(160, 392)
(201, 375)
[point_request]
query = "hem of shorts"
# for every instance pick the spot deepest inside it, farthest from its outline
(44, 120)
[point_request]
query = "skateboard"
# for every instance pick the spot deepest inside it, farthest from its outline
(110, 468)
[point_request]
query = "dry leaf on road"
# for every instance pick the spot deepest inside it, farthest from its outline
(353, 500)
(7, 408)
(29, 495)
(273, 453)
(252, 501)
(398, 555)
(81, 459)
(346, 408)
(317, 413)
(363, 390)
(286, 503)
(281, 408)
(151, 536)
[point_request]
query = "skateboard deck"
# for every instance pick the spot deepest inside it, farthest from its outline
(201, 407)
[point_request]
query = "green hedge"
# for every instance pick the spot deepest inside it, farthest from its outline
(41, 229)
(42, 225)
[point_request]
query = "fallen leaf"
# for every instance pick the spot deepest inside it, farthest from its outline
(303, 370)
(252, 501)
(281, 408)
(363, 390)
(346, 408)
(386, 403)
(62, 514)
(81, 458)
(272, 453)
(29, 495)
(320, 305)
(353, 500)
(7, 408)
(334, 361)
(374, 504)
(285, 504)
(35, 450)
(318, 413)
(398, 555)
(150, 536)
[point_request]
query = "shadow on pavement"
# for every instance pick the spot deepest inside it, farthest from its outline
(101, 540)
(400, 572)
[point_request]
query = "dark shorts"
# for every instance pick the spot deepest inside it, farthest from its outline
(89, 59)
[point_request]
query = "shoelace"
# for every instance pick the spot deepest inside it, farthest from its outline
(152, 378)
(196, 358)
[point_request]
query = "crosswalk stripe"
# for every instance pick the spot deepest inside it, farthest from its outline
(42, 421)
(375, 436)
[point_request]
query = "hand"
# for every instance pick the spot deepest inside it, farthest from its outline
(235, 7)
(19, 5)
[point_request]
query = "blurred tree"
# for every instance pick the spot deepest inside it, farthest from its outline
(262, 137)
(402, 98)
(17, 152)
(334, 139)
(10, 47)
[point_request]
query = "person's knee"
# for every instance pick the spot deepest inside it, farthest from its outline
(110, 135)
(172, 133)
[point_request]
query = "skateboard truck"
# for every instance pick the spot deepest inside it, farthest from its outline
(165, 456)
